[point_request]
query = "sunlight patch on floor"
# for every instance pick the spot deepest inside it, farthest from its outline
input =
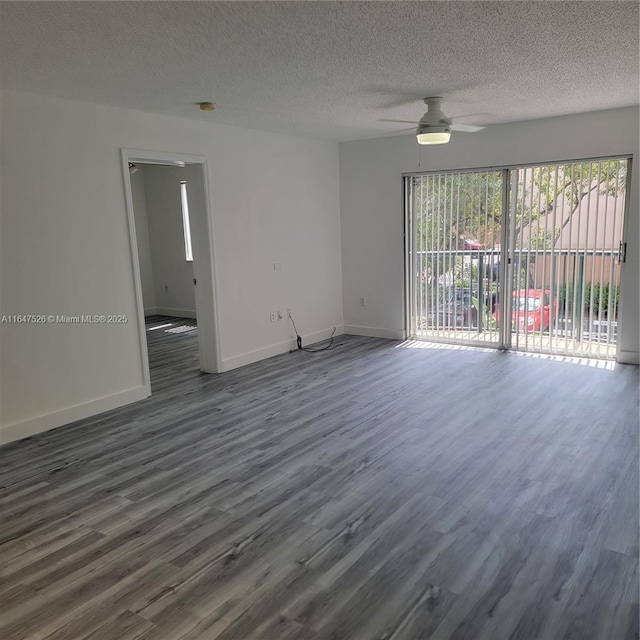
(597, 363)
(421, 344)
(160, 326)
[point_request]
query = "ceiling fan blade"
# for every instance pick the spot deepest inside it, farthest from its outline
(400, 121)
(403, 130)
(469, 115)
(468, 128)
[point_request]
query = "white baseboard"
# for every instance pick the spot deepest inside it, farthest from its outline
(628, 357)
(151, 311)
(375, 332)
(26, 428)
(178, 313)
(276, 349)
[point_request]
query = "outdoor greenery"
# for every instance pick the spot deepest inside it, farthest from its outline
(452, 208)
(548, 196)
(458, 208)
(597, 298)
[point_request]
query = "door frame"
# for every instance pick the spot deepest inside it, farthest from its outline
(203, 264)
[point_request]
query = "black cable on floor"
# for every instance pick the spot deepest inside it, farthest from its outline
(328, 347)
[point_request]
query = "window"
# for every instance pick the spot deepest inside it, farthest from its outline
(185, 222)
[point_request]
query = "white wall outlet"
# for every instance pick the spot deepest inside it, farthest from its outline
(289, 312)
(363, 302)
(272, 316)
(280, 315)
(277, 266)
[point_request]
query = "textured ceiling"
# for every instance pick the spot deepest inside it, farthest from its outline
(326, 69)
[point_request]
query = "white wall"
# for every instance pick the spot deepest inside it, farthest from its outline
(65, 249)
(372, 205)
(172, 274)
(142, 238)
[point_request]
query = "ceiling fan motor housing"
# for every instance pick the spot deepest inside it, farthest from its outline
(425, 127)
(434, 126)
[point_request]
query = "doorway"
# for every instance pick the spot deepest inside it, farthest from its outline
(524, 258)
(171, 247)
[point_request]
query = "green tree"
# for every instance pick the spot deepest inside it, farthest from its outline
(452, 208)
(549, 196)
(561, 189)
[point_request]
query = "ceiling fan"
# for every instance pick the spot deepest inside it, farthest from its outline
(435, 127)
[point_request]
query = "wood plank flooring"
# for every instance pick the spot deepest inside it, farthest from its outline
(372, 492)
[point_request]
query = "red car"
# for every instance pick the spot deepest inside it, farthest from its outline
(531, 310)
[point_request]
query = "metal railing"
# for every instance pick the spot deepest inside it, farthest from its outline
(581, 320)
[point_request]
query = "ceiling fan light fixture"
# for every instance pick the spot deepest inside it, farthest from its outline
(433, 135)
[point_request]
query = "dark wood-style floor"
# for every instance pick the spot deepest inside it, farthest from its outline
(372, 492)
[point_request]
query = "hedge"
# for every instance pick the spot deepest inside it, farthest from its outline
(600, 292)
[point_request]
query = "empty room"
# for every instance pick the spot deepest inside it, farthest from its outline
(319, 320)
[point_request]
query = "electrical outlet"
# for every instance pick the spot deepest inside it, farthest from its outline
(277, 266)
(272, 316)
(280, 315)
(289, 312)
(363, 302)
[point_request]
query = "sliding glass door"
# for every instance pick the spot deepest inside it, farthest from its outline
(566, 244)
(525, 258)
(455, 256)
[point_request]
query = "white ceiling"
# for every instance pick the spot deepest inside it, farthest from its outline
(326, 69)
